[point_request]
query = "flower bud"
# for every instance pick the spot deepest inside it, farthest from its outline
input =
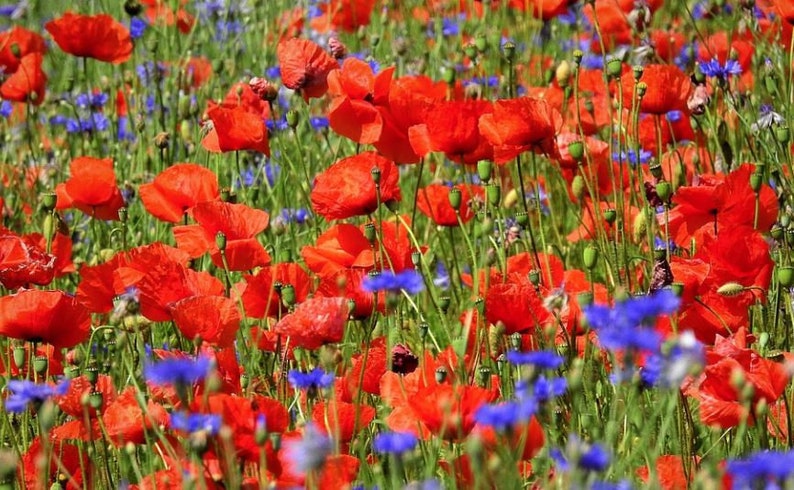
(756, 179)
(454, 198)
(576, 150)
(785, 276)
(161, 140)
(48, 201)
(563, 74)
(494, 194)
(664, 190)
(337, 48)
(578, 55)
(590, 257)
(481, 43)
(730, 289)
(484, 169)
(263, 89)
(293, 118)
(578, 187)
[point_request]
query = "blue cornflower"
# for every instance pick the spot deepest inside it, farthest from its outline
(674, 116)
(178, 371)
(631, 157)
(590, 457)
(543, 359)
(620, 326)
(671, 368)
(309, 452)
(503, 416)
(714, 69)
(765, 469)
(137, 27)
(6, 108)
(408, 280)
(442, 276)
(195, 422)
(394, 442)
(318, 123)
(24, 393)
(542, 390)
(314, 379)
(298, 216)
(273, 72)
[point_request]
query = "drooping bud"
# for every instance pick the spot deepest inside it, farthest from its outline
(337, 48)
(263, 89)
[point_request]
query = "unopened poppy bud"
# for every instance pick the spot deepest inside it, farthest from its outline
(263, 89)
(292, 118)
(590, 257)
(785, 276)
(578, 187)
(48, 227)
(133, 8)
(161, 140)
(370, 232)
(664, 190)
(509, 50)
(578, 55)
(481, 43)
(337, 48)
(494, 194)
(782, 134)
(484, 169)
(455, 198)
(756, 179)
(40, 364)
(563, 74)
(638, 71)
(642, 88)
(375, 173)
(614, 67)
(639, 227)
(441, 375)
(610, 215)
(220, 241)
(730, 289)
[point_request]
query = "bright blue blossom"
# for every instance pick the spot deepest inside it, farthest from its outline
(309, 452)
(669, 369)
(318, 123)
(6, 108)
(542, 359)
(408, 280)
(314, 379)
(713, 68)
(765, 469)
(631, 157)
(178, 371)
(394, 442)
(137, 27)
(622, 326)
(24, 393)
(543, 390)
(195, 422)
(578, 454)
(502, 416)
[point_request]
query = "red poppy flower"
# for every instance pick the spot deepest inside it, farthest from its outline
(99, 37)
(239, 224)
(409, 99)
(213, 319)
(161, 12)
(91, 188)
(345, 15)
(668, 89)
(528, 437)
(785, 9)
(338, 418)
(315, 322)
(235, 129)
(670, 472)
(373, 363)
(43, 464)
(28, 83)
(433, 202)
(340, 247)
(23, 263)
(125, 421)
(718, 202)
(517, 306)
(347, 188)
(305, 67)
(177, 189)
(242, 95)
(198, 70)
(357, 92)
(25, 42)
(452, 127)
(71, 403)
(261, 297)
(519, 125)
(541, 9)
(448, 411)
(44, 316)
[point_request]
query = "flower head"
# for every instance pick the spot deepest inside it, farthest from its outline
(541, 359)
(196, 422)
(308, 453)
(408, 280)
(762, 469)
(713, 68)
(24, 393)
(314, 379)
(178, 371)
(394, 442)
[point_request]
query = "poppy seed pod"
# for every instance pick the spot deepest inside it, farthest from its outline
(441, 375)
(578, 187)
(614, 67)
(782, 134)
(509, 49)
(578, 55)
(576, 150)
(785, 276)
(40, 364)
(288, 295)
(756, 179)
(481, 43)
(664, 190)
(220, 241)
(133, 8)
(638, 71)
(293, 118)
(494, 194)
(610, 215)
(455, 198)
(470, 50)
(484, 170)
(375, 173)
(370, 232)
